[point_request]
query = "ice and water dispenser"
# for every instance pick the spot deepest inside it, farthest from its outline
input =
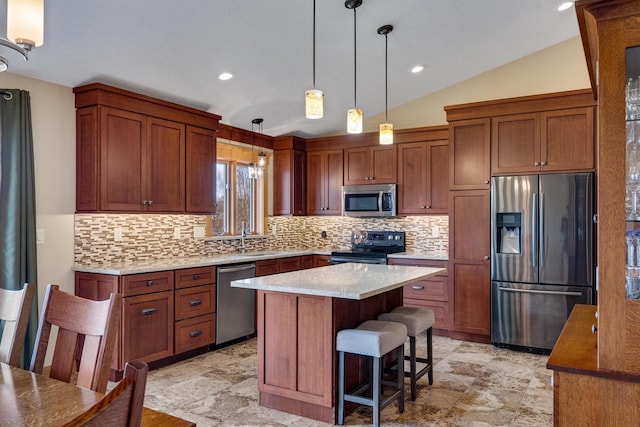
(509, 232)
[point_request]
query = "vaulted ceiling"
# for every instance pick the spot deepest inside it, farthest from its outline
(175, 50)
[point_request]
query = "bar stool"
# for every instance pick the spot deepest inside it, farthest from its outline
(374, 339)
(416, 320)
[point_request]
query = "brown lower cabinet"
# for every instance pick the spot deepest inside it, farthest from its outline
(431, 293)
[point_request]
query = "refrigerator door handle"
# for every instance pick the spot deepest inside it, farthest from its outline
(531, 291)
(541, 239)
(534, 228)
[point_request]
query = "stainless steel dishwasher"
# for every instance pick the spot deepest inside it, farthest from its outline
(235, 307)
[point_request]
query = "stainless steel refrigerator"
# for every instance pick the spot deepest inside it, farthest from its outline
(541, 255)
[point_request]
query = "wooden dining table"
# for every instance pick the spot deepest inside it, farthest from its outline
(28, 399)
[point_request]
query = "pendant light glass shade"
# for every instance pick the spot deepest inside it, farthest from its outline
(354, 120)
(25, 22)
(256, 170)
(386, 133)
(313, 104)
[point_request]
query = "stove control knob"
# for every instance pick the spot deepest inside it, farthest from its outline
(397, 237)
(390, 237)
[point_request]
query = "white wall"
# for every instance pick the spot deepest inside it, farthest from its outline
(53, 120)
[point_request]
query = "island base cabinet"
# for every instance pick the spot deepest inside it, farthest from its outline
(297, 360)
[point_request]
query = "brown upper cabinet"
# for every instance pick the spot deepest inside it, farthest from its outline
(370, 165)
(423, 177)
(132, 153)
(469, 142)
(324, 182)
(289, 181)
(549, 141)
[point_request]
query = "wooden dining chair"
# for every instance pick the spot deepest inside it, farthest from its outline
(94, 324)
(15, 308)
(123, 405)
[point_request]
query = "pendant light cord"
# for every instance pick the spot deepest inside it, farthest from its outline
(355, 63)
(386, 80)
(314, 44)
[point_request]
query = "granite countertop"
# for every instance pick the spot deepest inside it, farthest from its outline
(349, 280)
(136, 267)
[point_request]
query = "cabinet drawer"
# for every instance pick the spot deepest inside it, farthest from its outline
(434, 288)
(148, 326)
(196, 332)
(289, 264)
(266, 267)
(195, 276)
(195, 301)
(306, 261)
(440, 310)
(146, 283)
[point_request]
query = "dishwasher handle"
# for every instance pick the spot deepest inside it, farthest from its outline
(234, 269)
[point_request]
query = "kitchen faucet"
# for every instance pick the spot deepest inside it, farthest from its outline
(243, 235)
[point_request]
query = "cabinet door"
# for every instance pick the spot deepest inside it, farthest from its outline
(201, 167)
(334, 177)
(289, 183)
(122, 136)
(412, 178)
(87, 159)
(148, 326)
(437, 177)
(515, 143)
(357, 168)
(567, 139)
(469, 142)
(469, 261)
(321, 260)
(384, 161)
(316, 182)
(164, 166)
(298, 184)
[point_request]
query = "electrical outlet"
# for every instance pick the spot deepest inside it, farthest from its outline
(435, 231)
(176, 232)
(324, 234)
(117, 234)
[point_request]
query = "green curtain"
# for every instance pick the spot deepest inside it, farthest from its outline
(18, 202)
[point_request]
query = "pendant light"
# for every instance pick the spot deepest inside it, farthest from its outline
(313, 97)
(354, 115)
(255, 169)
(386, 129)
(25, 28)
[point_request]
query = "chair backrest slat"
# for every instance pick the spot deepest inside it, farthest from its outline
(78, 318)
(15, 308)
(123, 405)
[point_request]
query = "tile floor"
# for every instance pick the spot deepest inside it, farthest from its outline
(474, 385)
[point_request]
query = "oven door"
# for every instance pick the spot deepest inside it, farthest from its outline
(340, 259)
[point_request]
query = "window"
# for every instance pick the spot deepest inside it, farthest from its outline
(238, 198)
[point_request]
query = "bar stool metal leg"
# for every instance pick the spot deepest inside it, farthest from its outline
(430, 354)
(340, 387)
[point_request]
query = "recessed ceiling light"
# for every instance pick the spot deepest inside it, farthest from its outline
(417, 69)
(565, 5)
(225, 76)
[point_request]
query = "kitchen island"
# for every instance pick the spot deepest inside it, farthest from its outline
(299, 315)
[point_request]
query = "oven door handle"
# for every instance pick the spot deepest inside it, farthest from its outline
(342, 260)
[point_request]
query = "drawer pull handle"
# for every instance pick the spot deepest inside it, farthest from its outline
(195, 334)
(148, 311)
(195, 302)
(196, 276)
(149, 282)
(417, 287)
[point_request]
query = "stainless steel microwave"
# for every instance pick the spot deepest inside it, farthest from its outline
(369, 200)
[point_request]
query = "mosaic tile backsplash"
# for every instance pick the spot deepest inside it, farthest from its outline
(102, 239)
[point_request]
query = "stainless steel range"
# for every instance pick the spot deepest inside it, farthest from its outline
(370, 247)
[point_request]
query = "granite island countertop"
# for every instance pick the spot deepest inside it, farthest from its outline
(349, 280)
(150, 266)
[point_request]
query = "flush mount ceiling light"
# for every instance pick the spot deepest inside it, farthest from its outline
(25, 28)
(313, 97)
(564, 6)
(417, 69)
(225, 76)
(354, 115)
(386, 129)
